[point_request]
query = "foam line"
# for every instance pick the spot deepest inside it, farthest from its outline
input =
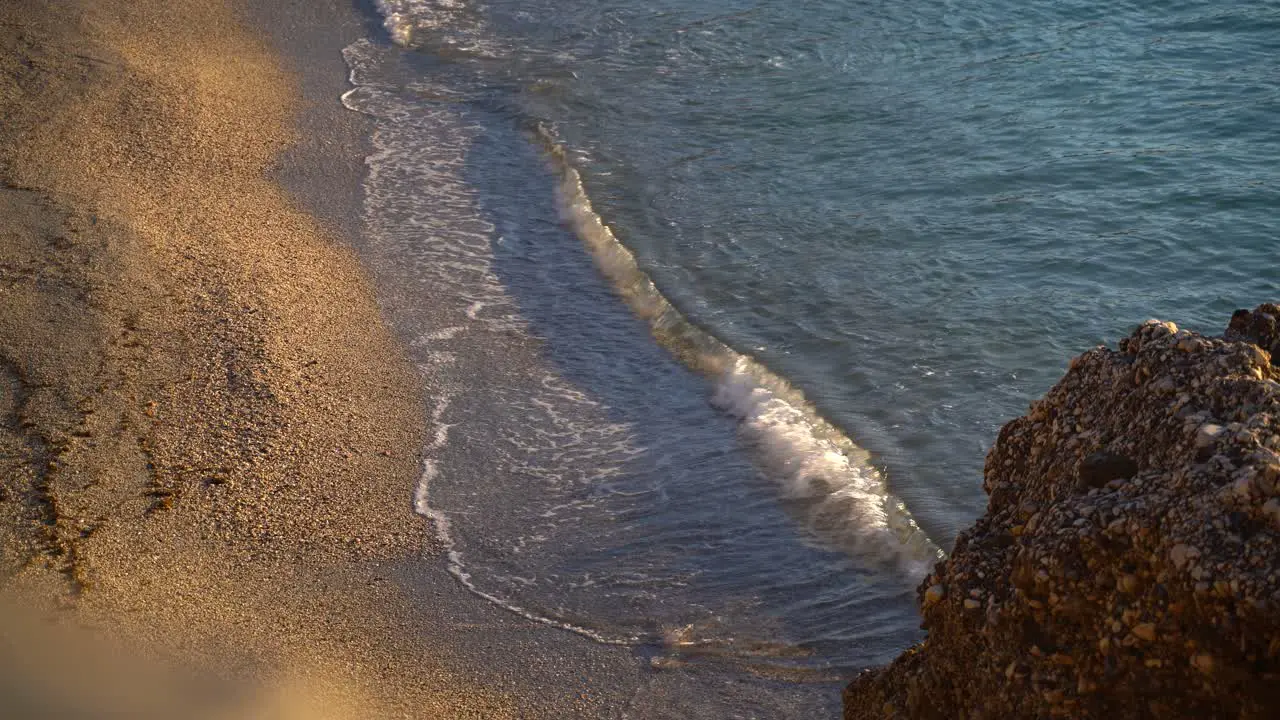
(830, 480)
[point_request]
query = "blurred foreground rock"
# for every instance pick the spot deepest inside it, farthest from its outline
(1128, 564)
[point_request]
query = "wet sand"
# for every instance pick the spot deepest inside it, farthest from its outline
(208, 435)
(545, 671)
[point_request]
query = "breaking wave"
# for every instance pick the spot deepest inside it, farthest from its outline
(825, 477)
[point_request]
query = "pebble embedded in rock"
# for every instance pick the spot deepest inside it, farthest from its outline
(1129, 583)
(1207, 435)
(1181, 554)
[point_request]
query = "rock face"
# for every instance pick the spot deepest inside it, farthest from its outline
(1128, 564)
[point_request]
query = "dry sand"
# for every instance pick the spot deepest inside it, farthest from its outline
(208, 436)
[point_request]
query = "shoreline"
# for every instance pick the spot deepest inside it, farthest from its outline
(212, 430)
(211, 435)
(549, 672)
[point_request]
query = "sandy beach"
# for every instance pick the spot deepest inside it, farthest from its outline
(210, 430)
(209, 434)
(258, 301)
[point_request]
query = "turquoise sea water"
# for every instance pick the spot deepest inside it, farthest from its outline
(724, 301)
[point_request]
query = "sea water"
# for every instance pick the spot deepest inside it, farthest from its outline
(722, 303)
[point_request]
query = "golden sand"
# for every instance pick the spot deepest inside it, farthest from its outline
(208, 436)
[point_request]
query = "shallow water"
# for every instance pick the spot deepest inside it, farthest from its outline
(722, 303)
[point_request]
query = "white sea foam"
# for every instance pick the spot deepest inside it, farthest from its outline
(397, 20)
(450, 238)
(448, 333)
(830, 479)
(457, 567)
(567, 443)
(448, 24)
(422, 504)
(445, 251)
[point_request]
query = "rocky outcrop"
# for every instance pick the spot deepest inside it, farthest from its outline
(1128, 564)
